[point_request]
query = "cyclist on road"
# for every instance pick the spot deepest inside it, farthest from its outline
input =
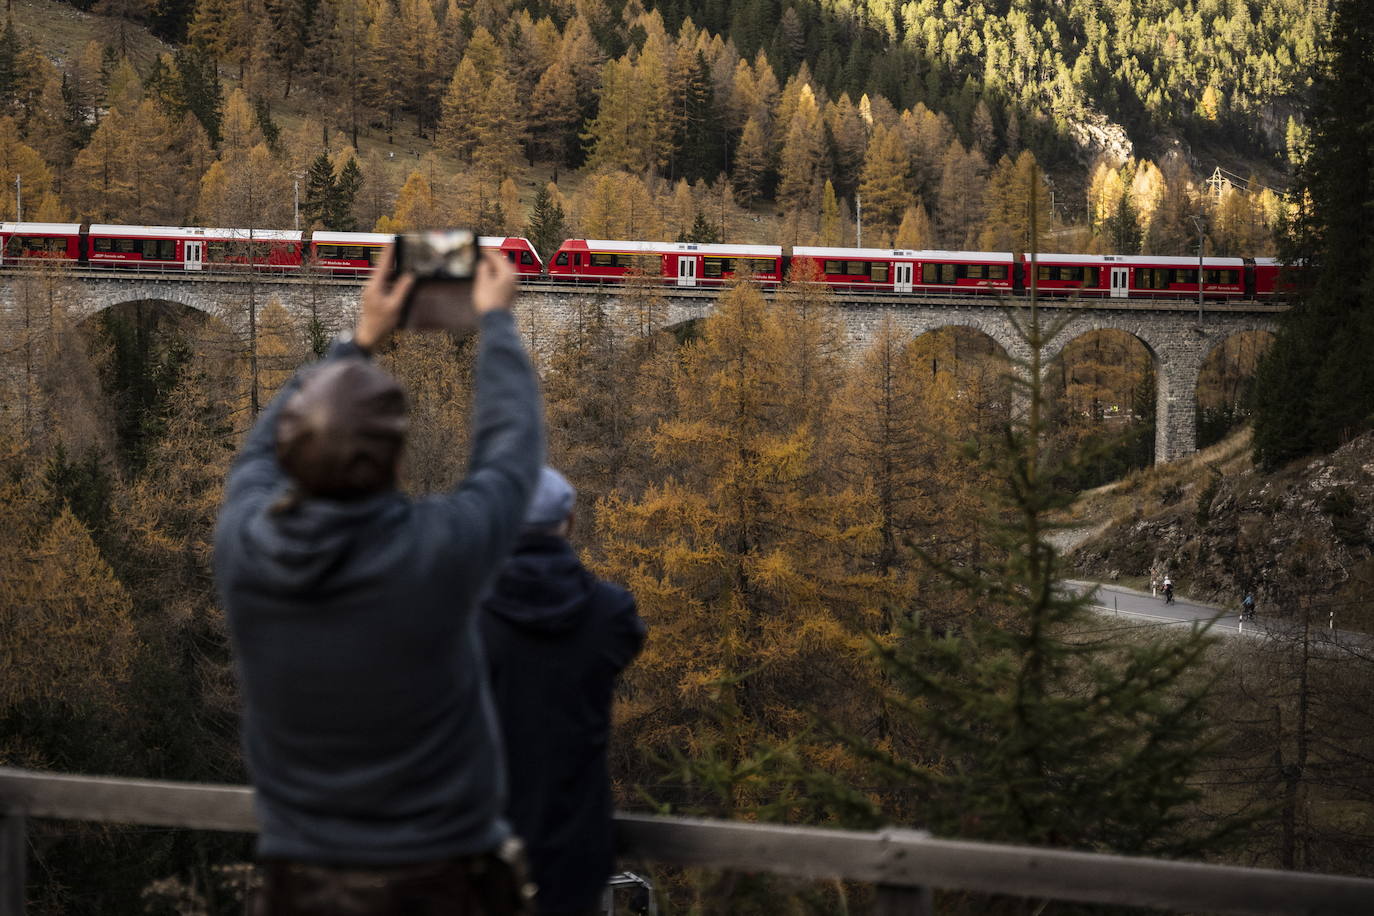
(1247, 607)
(1168, 590)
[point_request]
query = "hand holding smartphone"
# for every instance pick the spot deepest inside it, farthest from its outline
(443, 264)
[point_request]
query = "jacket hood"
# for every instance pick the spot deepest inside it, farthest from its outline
(543, 586)
(298, 543)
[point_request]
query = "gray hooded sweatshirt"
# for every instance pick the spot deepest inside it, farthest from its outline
(368, 726)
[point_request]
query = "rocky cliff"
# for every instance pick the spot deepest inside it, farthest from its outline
(1221, 525)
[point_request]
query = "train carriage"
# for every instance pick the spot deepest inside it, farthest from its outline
(20, 242)
(1264, 279)
(903, 271)
(684, 264)
(1146, 276)
(356, 253)
(193, 248)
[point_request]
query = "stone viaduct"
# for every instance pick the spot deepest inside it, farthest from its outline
(1177, 336)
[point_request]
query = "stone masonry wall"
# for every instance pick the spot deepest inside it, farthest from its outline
(1170, 331)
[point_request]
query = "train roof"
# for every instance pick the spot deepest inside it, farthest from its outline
(385, 238)
(352, 238)
(42, 228)
(613, 245)
(996, 257)
(195, 232)
(1134, 260)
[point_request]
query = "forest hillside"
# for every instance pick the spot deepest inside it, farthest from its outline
(758, 122)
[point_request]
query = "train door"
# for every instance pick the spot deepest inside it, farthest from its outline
(194, 255)
(687, 271)
(1121, 284)
(901, 276)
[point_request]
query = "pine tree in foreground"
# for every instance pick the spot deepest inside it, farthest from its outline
(1034, 722)
(1317, 380)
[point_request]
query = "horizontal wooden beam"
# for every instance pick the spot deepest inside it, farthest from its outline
(890, 858)
(146, 802)
(910, 858)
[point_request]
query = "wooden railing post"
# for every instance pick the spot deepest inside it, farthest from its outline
(892, 900)
(14, 851)
(906, 898)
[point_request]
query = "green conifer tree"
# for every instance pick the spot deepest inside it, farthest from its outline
(1316, 386)
(547, 226)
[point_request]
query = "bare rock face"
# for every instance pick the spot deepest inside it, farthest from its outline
(1306, 531)
(1097, 136)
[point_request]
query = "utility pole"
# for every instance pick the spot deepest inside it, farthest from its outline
(18, 198)
(858, 220)
(1197, 221)
(296, 207)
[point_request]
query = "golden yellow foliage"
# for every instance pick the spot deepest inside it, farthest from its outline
(66, 632)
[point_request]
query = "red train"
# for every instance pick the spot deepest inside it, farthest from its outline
(683, 264)
(193, 248)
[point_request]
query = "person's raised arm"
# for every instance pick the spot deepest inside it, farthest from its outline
(255, 467)
(508, 426)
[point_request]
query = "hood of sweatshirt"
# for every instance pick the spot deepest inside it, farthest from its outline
(543, 586)
(301, 544)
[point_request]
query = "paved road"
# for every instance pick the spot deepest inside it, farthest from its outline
(1127, 602)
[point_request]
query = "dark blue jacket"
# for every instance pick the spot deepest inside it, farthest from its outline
(556, 639)
(367, 724)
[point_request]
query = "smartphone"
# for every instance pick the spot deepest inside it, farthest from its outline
(443, 264)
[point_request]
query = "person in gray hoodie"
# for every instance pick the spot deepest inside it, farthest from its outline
(368, 726)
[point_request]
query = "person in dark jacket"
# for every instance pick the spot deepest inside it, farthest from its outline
(556, 638)
(368, 727)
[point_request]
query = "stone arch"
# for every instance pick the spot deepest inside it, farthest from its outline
(980, 367)
(1116, 389)
(1227, 367)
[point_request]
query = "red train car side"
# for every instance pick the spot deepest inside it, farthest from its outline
(683, 264)
(193, 248)
(902, 271)
(355, 253)
(20, 242)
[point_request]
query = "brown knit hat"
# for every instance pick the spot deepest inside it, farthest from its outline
(340, 435)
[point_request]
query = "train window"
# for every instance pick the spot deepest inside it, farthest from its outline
(125, 246)
(997, 271)
(974, 271)
(948, 274)
(526, 258)
(166, 249)
(714, 267)
(1090, 276)
(327, 251)
(602, 260)
(834, 267)
(879, 271)
(562, 259)
(510, 256)
(856, 268)
(1227, 277)
(930, 273)
(1185, 276)
(102, 245)
(577, 259)
(1148, 278)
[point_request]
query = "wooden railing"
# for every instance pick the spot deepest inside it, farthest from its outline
(905, 865)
